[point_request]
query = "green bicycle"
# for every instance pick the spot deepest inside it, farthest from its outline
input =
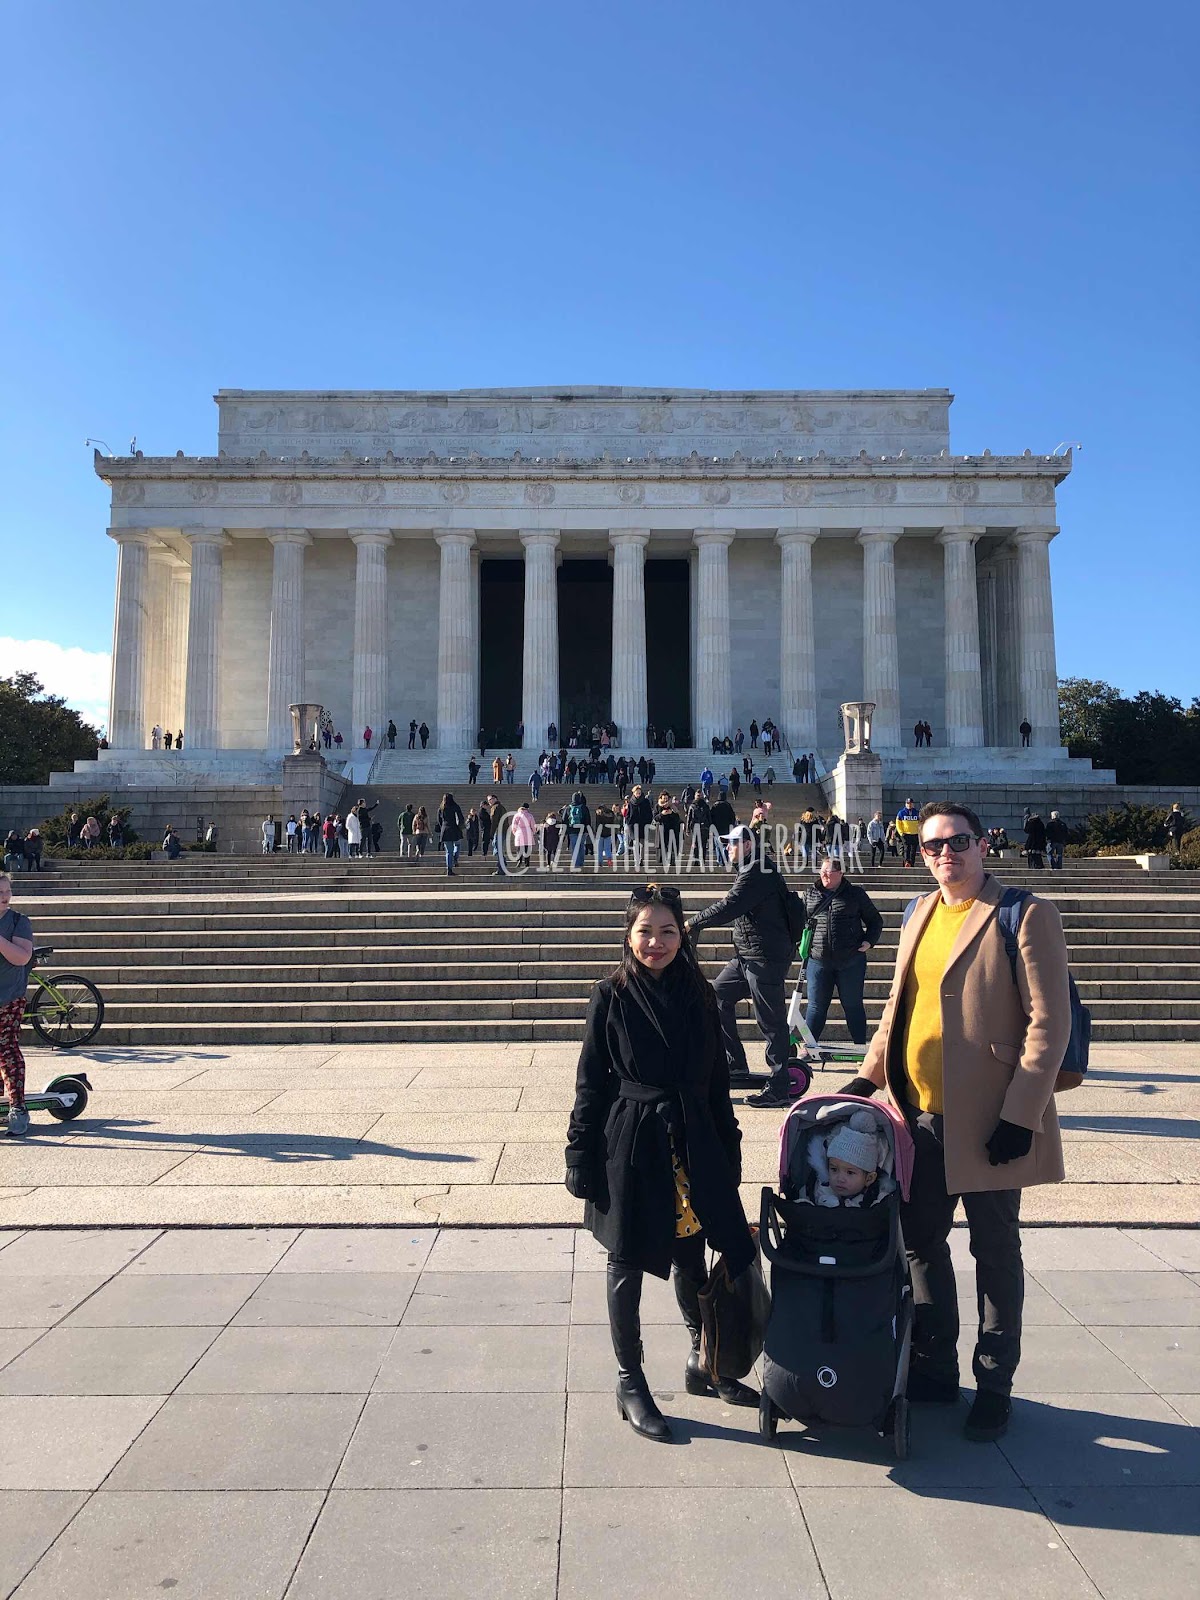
(67, 1010)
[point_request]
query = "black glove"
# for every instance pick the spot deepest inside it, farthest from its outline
(579, 1183)
(1008, 1143)
(863, 1087)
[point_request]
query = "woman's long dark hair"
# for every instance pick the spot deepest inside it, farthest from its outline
(629, 964)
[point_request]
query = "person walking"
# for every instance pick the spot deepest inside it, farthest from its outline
(510, 768)
(472, 770)
(1035, 841)
(1026, 733)
(268, 834)
(653, 1146)
(421, 832)
(368, 734)
(971, 1058)
(846, 925)
(16, 958)
(877, 838)
(472, 832)
(353, 834)
(450, 826)
(762, 953)
(535, 784)
(918, 734)
(392, 730)
(1176, 826)
(908, 829)
(404, 827)
(1057, 834)
(754, 735)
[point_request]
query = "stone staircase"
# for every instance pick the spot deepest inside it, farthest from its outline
(224, 950)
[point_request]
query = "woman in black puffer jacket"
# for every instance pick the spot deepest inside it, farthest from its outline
(845, 923)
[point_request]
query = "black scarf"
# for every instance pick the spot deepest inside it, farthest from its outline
(670, 1002)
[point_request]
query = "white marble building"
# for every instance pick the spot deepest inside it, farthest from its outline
(340, 548)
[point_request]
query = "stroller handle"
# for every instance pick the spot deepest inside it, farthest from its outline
(771, 1243)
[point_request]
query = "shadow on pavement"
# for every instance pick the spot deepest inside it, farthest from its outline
(266, 1146)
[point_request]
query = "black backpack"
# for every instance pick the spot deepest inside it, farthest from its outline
(1011, 909)
(793, 911)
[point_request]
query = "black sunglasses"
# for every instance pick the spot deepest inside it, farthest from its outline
(958, 842)
(655, 891)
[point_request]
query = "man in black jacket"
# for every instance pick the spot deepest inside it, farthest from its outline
(763, 950)
(846, 923)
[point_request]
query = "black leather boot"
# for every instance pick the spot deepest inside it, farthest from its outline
(634, 1401)
(695, 1379)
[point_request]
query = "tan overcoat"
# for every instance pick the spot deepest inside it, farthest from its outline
(1002, 1042)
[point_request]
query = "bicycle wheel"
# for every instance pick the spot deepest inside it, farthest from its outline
(67, 1012)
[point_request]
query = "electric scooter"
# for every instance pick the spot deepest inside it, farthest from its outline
(808, 1053)
(64, 1098)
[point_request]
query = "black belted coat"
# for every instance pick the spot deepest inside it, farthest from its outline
(635, 1090)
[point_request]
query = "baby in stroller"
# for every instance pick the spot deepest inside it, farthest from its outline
(844, 1166)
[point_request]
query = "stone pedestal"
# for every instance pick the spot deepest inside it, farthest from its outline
(857, 787)
(303, 782)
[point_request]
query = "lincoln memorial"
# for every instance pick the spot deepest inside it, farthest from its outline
(493, 557)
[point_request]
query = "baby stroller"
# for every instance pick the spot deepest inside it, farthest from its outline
(838, 1337)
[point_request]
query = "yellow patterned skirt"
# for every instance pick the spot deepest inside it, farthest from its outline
(687, 1222)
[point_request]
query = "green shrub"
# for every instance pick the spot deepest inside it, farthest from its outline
(1135, 828)
(204, 846)
(1187, 857)
(100, 806)
(100, 852)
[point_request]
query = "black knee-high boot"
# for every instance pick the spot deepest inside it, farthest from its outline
(634, 1401)
(696, 1380)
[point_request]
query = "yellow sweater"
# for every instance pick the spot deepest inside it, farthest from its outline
(923, 1005)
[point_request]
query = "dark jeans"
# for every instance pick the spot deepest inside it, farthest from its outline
(877, 846)
(762, 983)
(993, 1219)
(910, 841)
(1055, 852)
(849, 981)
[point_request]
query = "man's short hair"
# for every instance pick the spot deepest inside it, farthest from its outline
(950, 808)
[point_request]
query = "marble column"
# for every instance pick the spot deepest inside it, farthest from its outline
(156, 691)
(539, 664)
(458, 642)
(202, 693)
(369, 699)
(178, 604)
(285, 658)
(713, 713)
(629, 690)
(881, 660)
(476, 712)
(797, 652)
(693, 643)
(1038, 667)
(126, 730)
(964, 680)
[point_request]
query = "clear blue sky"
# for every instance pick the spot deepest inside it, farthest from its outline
(1002, 200)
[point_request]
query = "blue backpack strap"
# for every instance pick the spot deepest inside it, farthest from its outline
(1011, 910)
(908, 911)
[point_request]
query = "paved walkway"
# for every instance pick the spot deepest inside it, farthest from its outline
(248, 1414)
(468, 1135)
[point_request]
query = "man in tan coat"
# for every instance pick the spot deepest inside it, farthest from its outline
(971, 1058)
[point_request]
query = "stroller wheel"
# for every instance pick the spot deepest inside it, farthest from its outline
(768, 1417)
(900, 1428)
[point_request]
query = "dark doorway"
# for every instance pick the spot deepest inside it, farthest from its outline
(501, 640)
(668, 648)
(585, 598)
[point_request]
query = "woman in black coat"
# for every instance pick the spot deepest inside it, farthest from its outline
(451, 827)
(653, 1146)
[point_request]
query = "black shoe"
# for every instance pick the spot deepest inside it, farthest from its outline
(697, 1381)
(770, 1097)
(988, 1417)
(924, 1390)
(636, 1404)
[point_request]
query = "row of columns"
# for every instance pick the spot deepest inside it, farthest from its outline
(140, 655)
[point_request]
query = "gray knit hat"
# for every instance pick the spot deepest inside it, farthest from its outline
(855, 1146)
